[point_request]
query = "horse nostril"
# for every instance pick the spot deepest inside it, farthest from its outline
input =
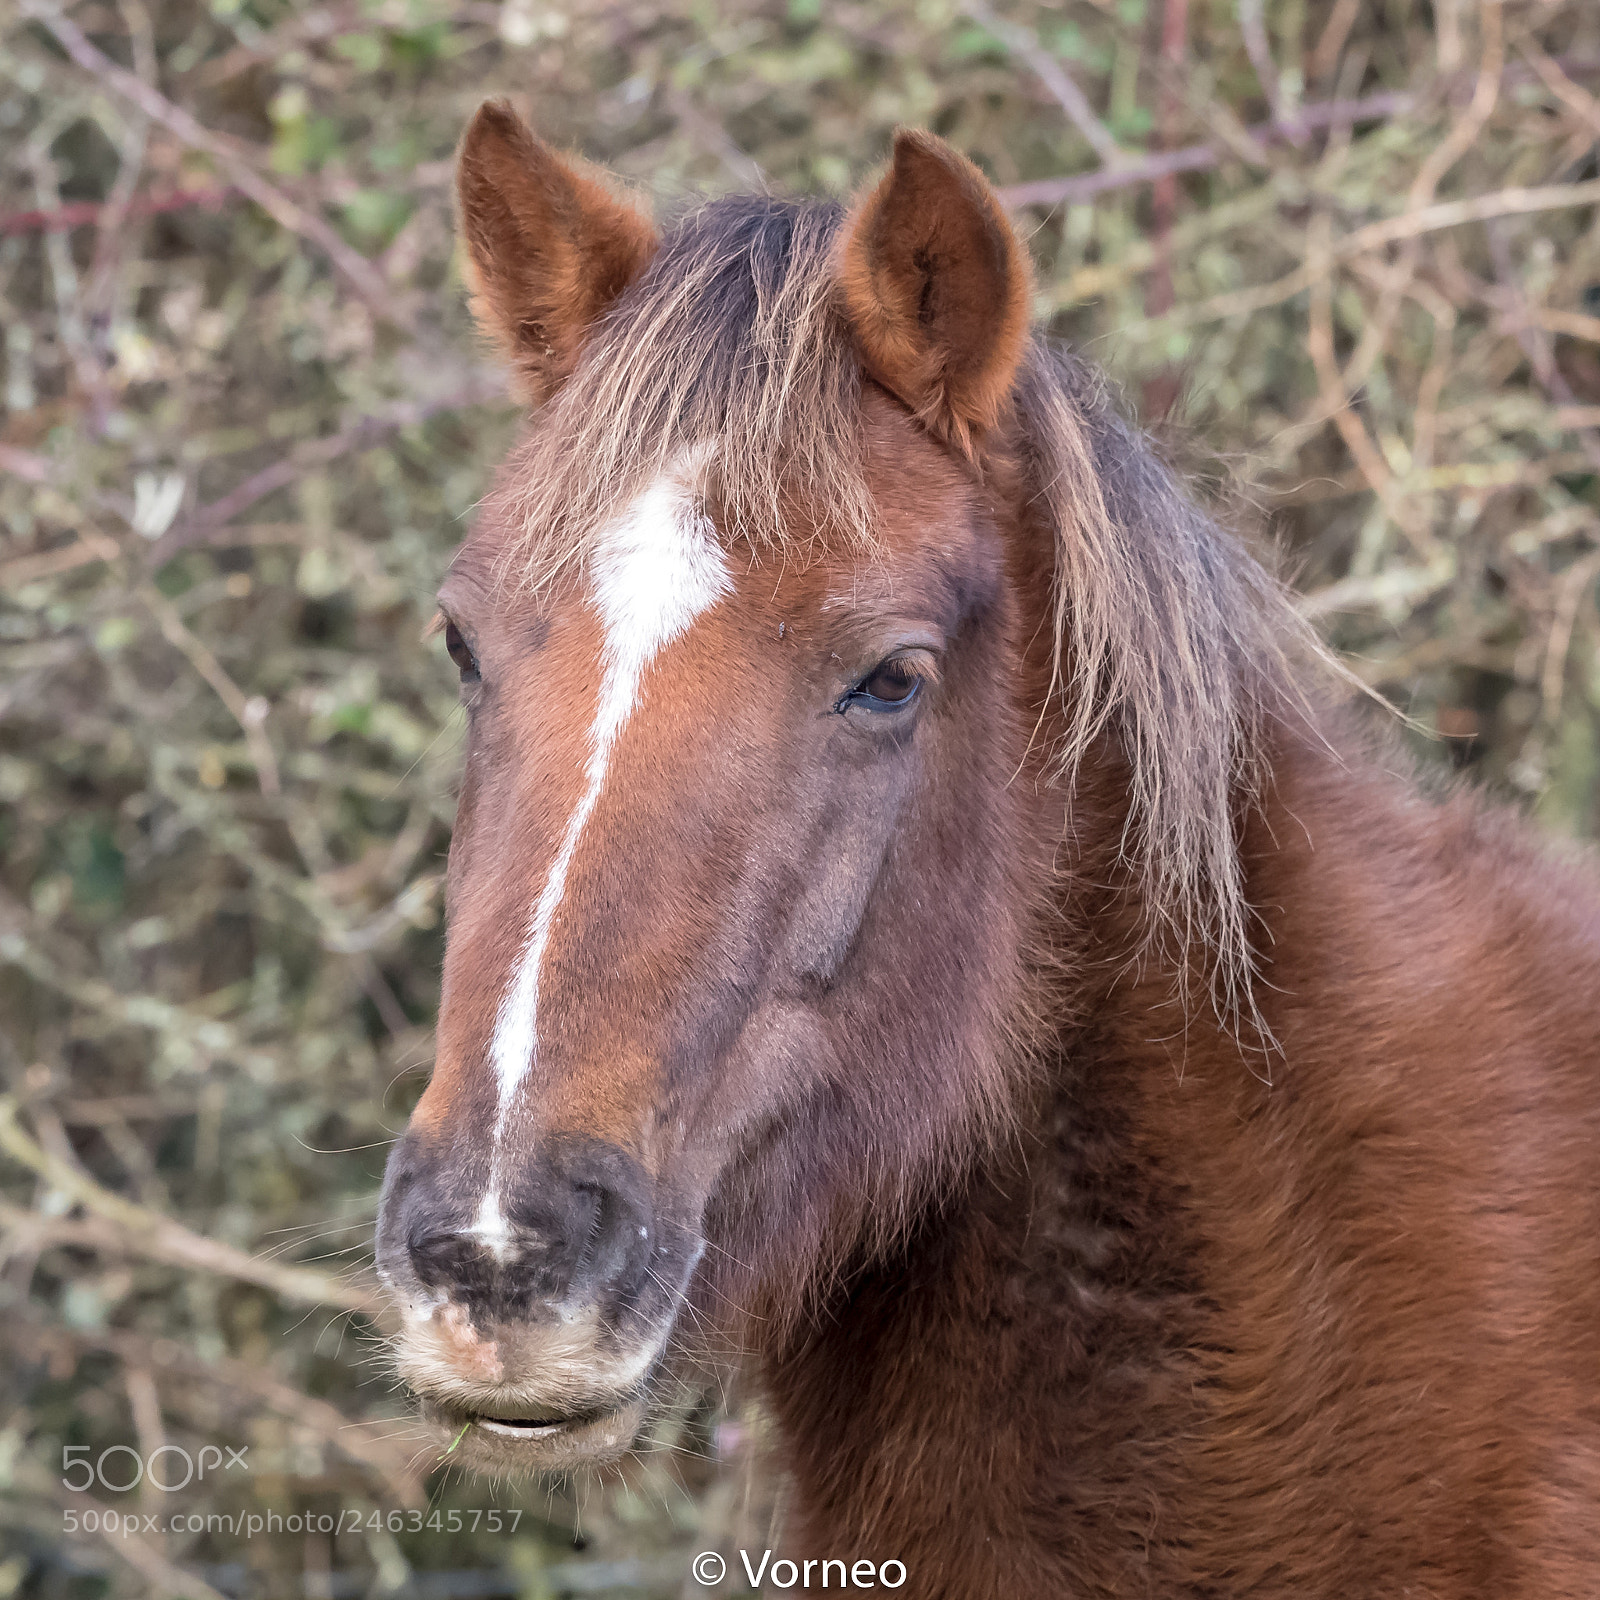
(446, 1258)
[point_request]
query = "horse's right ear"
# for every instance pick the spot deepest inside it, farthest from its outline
(547, 249)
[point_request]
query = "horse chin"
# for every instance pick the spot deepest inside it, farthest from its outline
(524, 1443)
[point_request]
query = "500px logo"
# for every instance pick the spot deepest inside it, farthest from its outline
(81, 1469)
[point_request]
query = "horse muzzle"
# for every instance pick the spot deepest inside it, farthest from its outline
(532, 1329)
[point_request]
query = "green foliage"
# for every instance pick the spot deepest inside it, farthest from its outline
(238, 444)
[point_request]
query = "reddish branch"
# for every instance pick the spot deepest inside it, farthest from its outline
(96, 213)
(84, 213)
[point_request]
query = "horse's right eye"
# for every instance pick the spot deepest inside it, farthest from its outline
(461, 654)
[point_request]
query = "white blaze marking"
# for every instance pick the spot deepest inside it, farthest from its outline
(654, 571)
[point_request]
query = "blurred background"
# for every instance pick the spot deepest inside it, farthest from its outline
(1343, 252)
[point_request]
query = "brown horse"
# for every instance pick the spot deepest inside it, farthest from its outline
(916, 913)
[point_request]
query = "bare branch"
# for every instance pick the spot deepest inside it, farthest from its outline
(163, 1577)
(1202, 157)
(1480, 208)
(25, 464)
(1577, 100)
(1335, 400)
(185, 1369)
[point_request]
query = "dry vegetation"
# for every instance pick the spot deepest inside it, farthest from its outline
(244, 419)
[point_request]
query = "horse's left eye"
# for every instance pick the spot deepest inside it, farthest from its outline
(891, 686)
(461, 654)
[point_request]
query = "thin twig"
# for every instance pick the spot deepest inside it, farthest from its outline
(710, 133)
(25, 464)
(328, 188)
(1517, 202)
(1532, 327)
(249, 711)
(1392, 586)
(1086, 185)
(362, 434)
(1377, 235)
(1574, 324)
(1161, 389)
(163, 1577)
(185, 1369)
(1577, 100)
(111, 237)
(1335, 398)
(63, 274)
(359, 272)
(1202, 157)
(1569, 597)
(1252, 24)
(1466, 130)
(1021, 43)
(163, 1239)
(1164, 200)
(50, 563)
(1324, 58)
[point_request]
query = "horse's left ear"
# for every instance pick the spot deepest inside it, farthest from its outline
(937, 289)
(548, 248)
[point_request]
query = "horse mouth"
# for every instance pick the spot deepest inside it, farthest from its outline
(522, 1427)
(546, 1441)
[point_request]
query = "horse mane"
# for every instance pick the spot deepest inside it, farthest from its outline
(1169, 635)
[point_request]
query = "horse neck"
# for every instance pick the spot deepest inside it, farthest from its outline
(1083, 1370)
